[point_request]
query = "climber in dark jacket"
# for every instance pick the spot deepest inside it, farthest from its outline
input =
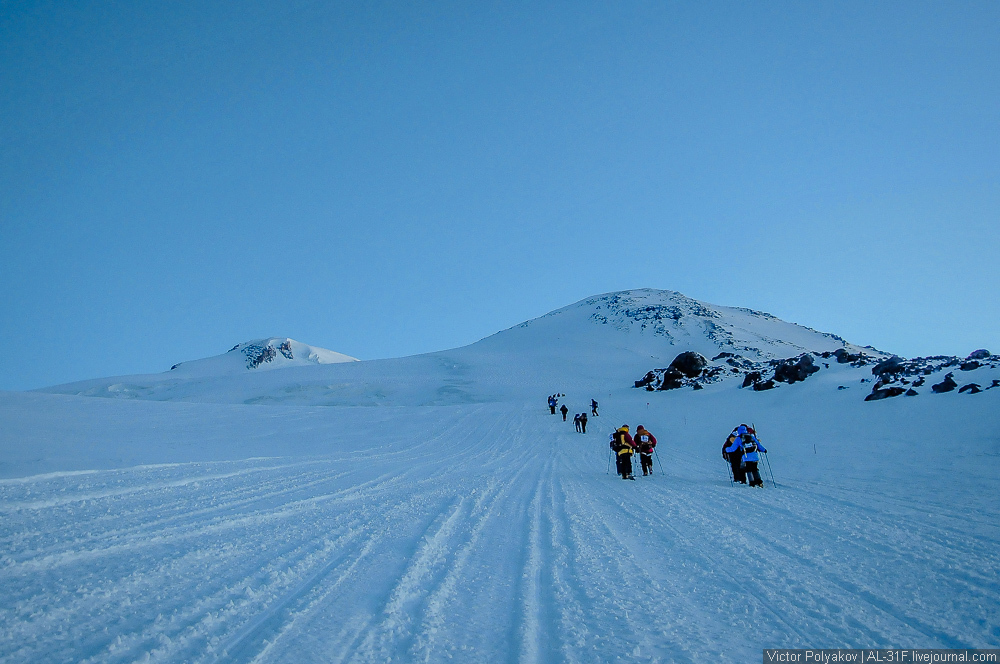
(624, 447)
(646, 442)
(735, 459)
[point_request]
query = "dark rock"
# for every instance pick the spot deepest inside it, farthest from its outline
(751, 378)
(971, 388)
(842, 387)
(843, 357)
(996, 383)
(911, 392)
(724, 355)
(697, 386)
(689, 363)
(672, 379)
(980, 354)
(286, 349)
(792, 370)
(918, 382)
(174, 367)
(646, 380)
(885, 393)
(970, 365)
(763, 385)
(258, 355)
(891, 366)
(946, 385)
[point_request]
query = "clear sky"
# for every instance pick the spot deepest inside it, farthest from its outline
(383, 179)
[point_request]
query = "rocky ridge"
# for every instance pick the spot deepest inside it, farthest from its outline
(891, 376)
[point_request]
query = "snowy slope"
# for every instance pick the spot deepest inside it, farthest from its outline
(459, 521)
(491, 532)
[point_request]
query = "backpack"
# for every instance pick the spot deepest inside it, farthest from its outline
(748, 444)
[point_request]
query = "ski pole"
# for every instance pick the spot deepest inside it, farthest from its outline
(768, 462)
(729, 467)
(609, 463)
(657, 454)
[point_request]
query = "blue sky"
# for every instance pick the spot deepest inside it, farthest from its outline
(383, 179)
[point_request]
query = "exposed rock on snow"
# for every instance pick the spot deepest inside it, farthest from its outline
(946, 385)
(690, 364)
(885, 393)
(795, 370)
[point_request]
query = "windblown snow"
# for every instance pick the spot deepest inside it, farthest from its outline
(431, 509)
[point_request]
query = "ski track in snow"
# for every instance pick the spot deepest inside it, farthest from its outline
(496, 537)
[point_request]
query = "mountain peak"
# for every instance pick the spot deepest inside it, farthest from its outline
(667, 318)
(275, 352)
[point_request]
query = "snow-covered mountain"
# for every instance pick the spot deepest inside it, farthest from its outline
(616, 339)
(611, 338)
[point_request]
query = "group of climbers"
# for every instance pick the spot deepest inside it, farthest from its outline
(624, 446)
(741, 450)
(579, 420)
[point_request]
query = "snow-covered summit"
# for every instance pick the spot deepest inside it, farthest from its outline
(654, 319)
(260, 355)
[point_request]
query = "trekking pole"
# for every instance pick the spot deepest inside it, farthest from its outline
(768, 462)
(729, 467)
(609, 462)
(657, 455)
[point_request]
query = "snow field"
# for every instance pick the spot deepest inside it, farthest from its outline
(492, 532)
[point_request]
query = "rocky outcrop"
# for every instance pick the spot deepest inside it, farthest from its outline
(891, 376)
(946, 385)
(258, 355)
(795, 370)
(672, 379)
(844, 357)
(894, 365)
(885, 393)
(647, 380)
(689, 363)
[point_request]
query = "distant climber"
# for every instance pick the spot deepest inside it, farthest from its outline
(552, 404)
(624, 447)
(564, 410)
(646, 442)
(576, 422)
(593, 407)
(747, 445)
(583, 422)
